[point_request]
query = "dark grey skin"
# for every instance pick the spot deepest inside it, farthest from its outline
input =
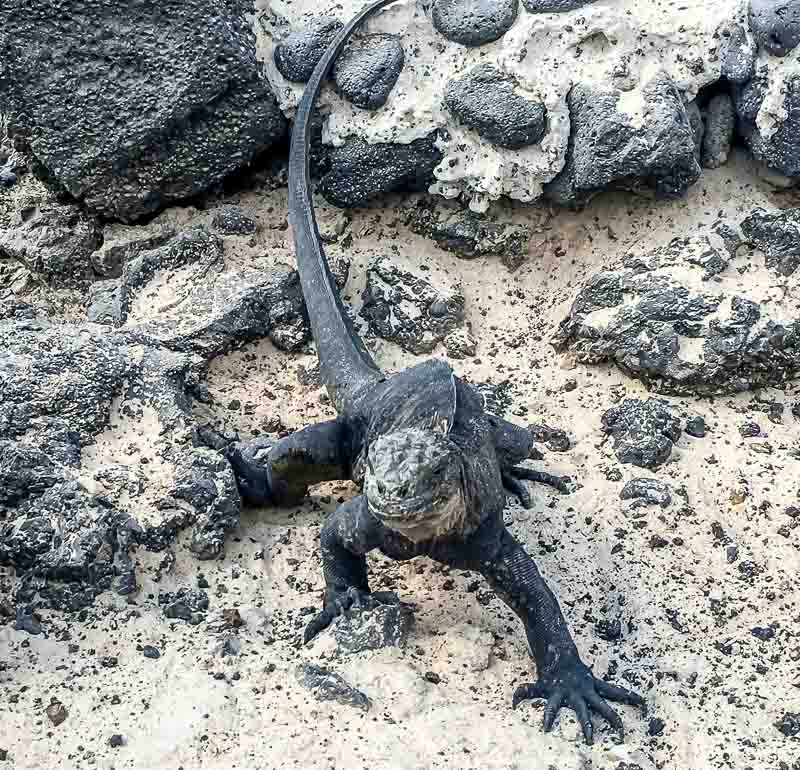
(432, 465)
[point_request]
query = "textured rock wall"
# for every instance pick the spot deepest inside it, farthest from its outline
(560, 98)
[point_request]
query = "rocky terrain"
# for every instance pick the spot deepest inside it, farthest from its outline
(633, 296)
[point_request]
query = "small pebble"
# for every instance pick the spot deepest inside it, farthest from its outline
(656, 541)
(433, 678)
(115, 741)
(656, 726)
(151, 652)
(764, 634)
(696, 426)
(750, 430)
(56, 712)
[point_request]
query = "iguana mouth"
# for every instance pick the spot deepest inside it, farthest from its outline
(421, 519)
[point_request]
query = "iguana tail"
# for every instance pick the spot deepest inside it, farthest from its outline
(345, 364)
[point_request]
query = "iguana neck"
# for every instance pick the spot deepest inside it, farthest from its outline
(345, 364)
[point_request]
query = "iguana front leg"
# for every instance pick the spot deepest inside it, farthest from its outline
(280, 473)
(564, 680)
(513, 444)
(348, 535)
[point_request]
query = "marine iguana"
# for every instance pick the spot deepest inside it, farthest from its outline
(431, 463)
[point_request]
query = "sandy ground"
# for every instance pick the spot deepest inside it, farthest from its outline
(686, 610)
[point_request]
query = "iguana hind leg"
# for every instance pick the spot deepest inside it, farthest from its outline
(513, 444)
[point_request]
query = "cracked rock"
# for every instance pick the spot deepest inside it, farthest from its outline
(654, 152)
(368, 68)
(413, 307)
(327, 685)
(128, 134)
(474, 22)
(486, 100)
(300, 51)
(186, 604)
(643, 431)
(359, 171)
(662, 321)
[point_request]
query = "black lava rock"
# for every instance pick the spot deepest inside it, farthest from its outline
(151, 652)
(643, 431)
(777, 234)
(115, 741)
(737, 55)
(661, 331)
(485, 100)
(300, 51)
(609, 630)
(327, 685)
(474, 22)
(368, 68)
(360, 171)
(776, 24)
(764, 634)
(130, 133)
(188, 605)
(779, 148)
(656, 726)
(696, 426)
(750, 430)
(383, 624)
(655, 153)
(231, 220)
(647, 491)
(554, 6)
(789, 724)
(718, 136)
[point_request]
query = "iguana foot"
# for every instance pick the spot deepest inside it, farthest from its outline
(339, 601)
(571, 683)
(513, 478)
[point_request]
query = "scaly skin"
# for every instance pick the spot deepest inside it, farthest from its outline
(433, 466)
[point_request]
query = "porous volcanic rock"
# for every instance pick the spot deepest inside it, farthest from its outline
(414, 307)
(770, 126)
(474, 22)
(776, 25)
(359, 171)
(643, 431)
(777, 234)
(683, 320)
(300, 51)
(368, 68)
(486, 100)
(158, 111)
(611, 149)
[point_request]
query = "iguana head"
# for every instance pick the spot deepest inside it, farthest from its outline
(413, 483)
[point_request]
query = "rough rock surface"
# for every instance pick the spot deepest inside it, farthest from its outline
(642, 61)
(720, 119)
(643, 431)
(776, 24)
(777, 234)
(299, 52)
(415, 306)
(368, 68)
(554, 6)
(54, 241)
(231, 220)
(468, 234)
(359, 171)
(384, 625)
(128, 133)
(683, 319)
(611, 149)
(76, 495)
(486, 99)
(645, 491)
(328, 685)
(769, 120)
(474, 22)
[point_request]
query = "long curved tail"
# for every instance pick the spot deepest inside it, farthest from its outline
(345, 364)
